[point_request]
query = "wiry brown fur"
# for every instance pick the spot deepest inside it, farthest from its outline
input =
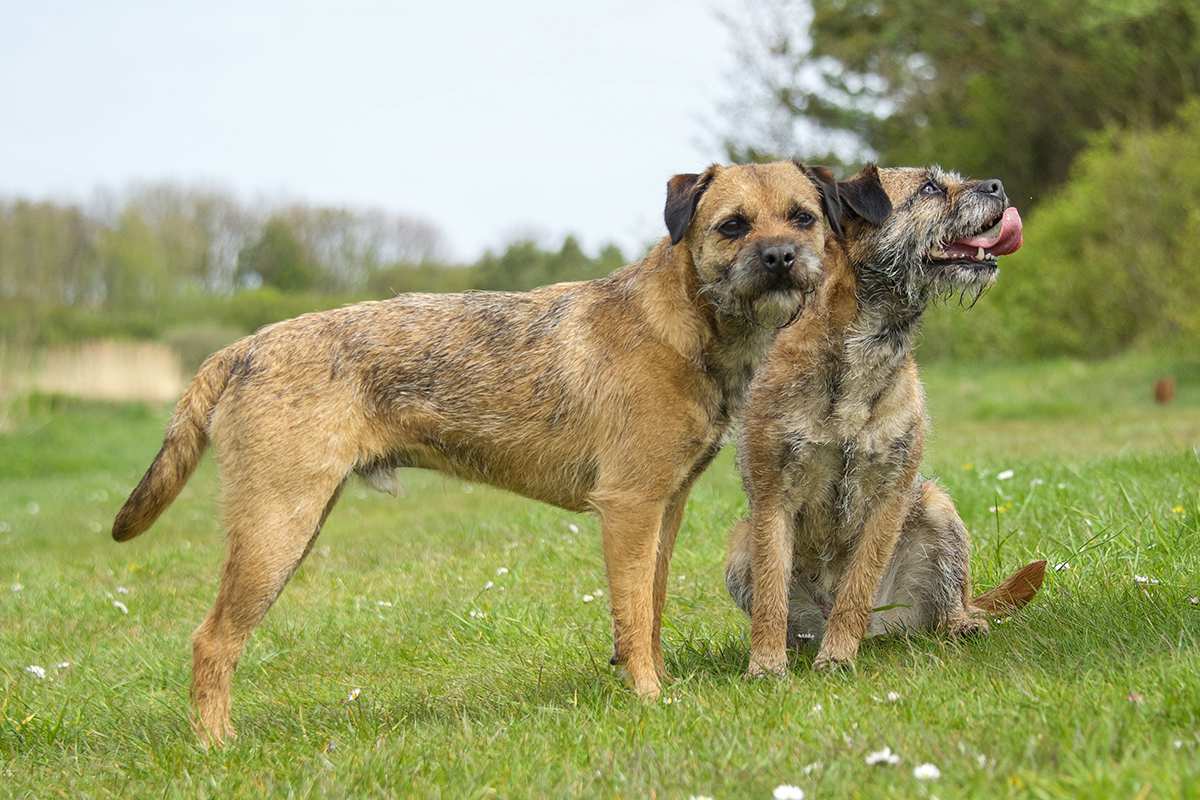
(609, 396)
(841, 523)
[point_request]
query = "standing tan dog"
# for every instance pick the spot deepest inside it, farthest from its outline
(841, 523)
(610, 395)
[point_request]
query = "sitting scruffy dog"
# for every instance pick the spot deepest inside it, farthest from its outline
(610, 395)
(840, 521)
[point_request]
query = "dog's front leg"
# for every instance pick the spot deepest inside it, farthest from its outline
(771, 570)
(631, 530)
(856, 592)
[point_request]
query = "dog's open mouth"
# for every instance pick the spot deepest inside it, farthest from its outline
(1000, 238)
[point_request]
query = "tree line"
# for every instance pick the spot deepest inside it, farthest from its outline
(165, 255)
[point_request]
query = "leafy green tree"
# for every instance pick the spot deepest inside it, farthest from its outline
(136, 265)
(277, 259)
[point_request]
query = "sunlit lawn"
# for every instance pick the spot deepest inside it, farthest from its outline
(461, 615)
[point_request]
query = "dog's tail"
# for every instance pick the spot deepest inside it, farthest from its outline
(184, 443)
(1014, 592)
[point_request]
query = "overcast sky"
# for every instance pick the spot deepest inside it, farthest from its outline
(489, 119)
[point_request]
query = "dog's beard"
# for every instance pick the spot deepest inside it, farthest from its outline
(967, 283)
(772, 308)
(777, 309)
(744, 292)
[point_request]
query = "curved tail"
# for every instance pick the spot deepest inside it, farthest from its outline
(184, 443)
(1014, 592)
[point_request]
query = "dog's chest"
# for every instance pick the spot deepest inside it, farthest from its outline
(839, 457)
(730, 367)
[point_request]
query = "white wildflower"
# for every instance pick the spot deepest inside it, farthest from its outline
(354, 693)
(1062, 566)
(893, 697)
(572, 527)
(1194, 601)
(475, 613)
(1148, 581)
(36, 671)
(384, 603)
(817, 708)
(62, 665)
(119, 606)
(587, 598)
(699, 797)
(811, 768)
(488, 585)
(502, 571)
(884, 756)
(926, 772)
(1177, 744)
(786, 791)
(122, 590)
(16, 587)
(1004, 475)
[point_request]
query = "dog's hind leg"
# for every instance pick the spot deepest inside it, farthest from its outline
(927, 585)
(270, 530)
(631, 531)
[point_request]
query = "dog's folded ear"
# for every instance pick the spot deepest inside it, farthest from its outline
(864, 195)
(683, 195)
(822, 178)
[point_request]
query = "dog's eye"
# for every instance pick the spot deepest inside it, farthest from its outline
(733, 227)
(803, 219)
(930, 187)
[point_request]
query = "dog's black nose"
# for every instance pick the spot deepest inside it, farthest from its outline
(778, 257)
(992, 187)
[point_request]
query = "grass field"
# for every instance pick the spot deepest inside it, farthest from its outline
(459, 618)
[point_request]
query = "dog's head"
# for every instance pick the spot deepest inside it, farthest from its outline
(921, 232)
(755, 234)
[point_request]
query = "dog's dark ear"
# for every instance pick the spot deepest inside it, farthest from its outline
(683, 195)
(822, 178)
(864, 195)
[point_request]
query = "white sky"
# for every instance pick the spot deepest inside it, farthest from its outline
(488, 119)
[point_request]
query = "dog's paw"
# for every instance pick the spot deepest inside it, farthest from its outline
(767, 668)
(827, 662)
(647, 692)
(968, 627)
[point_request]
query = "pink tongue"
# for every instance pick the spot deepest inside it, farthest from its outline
(1007, 240)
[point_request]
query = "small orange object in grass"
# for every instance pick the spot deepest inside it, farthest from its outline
(1164, 391)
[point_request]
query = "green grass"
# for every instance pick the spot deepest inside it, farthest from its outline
(522, 702)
